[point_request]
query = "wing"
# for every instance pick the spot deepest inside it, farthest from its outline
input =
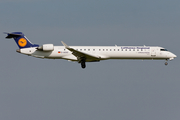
(82, 55)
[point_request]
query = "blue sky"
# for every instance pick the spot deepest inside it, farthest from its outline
(32, 88)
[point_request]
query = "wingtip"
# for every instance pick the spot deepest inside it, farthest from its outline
(65, 44)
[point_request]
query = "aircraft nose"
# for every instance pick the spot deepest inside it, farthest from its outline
(173, 55)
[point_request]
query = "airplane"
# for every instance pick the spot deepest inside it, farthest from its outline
(83, 54)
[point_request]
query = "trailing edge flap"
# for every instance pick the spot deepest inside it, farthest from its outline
(79, 54)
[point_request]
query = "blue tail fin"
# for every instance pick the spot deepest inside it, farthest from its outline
(21, 40)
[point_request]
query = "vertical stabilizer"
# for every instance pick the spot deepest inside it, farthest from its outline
(21, 40)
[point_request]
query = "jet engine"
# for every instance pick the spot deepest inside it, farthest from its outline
(46, 47)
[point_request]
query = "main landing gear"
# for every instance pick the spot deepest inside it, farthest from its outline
(83, 63)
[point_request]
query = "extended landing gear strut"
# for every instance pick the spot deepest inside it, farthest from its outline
(166, 63)
(83, 63)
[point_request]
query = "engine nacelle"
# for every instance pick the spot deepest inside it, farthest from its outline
(46, 47)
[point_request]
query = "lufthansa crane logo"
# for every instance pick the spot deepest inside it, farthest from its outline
(22, 42)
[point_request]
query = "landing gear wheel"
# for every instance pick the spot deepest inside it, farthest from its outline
(83, 64)
(166, 63)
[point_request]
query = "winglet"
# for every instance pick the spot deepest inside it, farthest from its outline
(65, 44)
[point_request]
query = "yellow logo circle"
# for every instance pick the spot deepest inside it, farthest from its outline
(22, 42)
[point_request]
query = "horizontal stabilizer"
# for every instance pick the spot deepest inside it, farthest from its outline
(14, 35)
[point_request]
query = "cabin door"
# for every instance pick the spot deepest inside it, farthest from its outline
(153, 52)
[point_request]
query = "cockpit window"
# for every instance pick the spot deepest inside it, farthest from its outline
(163, 49)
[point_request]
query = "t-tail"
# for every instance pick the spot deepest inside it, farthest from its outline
(21, 40)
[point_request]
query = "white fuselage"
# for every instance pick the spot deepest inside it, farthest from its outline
(83, 54)
(102, 52)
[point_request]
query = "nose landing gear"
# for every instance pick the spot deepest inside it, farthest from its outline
(166, 63)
